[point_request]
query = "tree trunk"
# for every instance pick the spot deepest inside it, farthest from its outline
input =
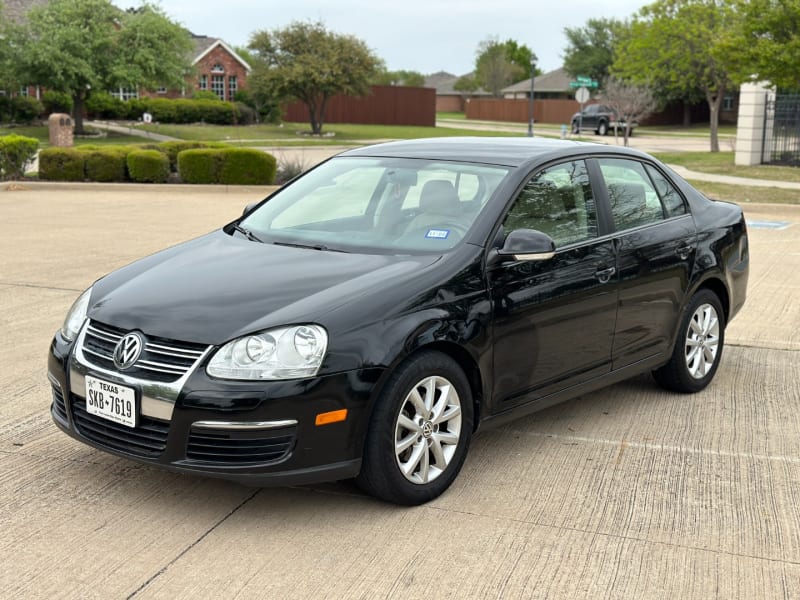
(77, 111)
(714, 104)
(312, 115)
(627, 132)
(687, 114)
(321, 115)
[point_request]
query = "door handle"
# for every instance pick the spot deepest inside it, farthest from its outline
(684, 251)
(604, 275)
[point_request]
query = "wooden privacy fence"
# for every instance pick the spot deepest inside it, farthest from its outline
(549, 110)
(386, 105)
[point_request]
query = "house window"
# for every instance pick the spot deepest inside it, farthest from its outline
(727, 103)
(217, 68)
(125, 93)
(218, 85)
(232, 87)
(23, 91)
(161, 90)
(203, 83)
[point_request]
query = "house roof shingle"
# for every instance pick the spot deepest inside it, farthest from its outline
(553, 81)
(15, 10)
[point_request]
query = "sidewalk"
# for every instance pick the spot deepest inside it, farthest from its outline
(729, 179)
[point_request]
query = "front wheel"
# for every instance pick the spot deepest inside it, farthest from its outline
(602, 128)
(575, 129)
(419, 431)
(698, 349)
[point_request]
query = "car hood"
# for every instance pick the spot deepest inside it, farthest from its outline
(218, 287)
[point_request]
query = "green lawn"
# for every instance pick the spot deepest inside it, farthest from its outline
(742, 194)
(344, 133)
(721, 163)
(699, 130)
(451, 115)
(42, 134)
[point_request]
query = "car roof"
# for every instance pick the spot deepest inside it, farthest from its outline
(505, 151)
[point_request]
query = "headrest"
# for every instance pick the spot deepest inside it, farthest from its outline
(439, 197)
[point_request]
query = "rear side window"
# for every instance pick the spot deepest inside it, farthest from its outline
(633, 197)
(670, 198)
(557, 201)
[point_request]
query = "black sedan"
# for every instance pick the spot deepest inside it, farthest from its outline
(367, 318)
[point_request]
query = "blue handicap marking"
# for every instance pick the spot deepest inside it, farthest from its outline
(774, 225)
(438, 234)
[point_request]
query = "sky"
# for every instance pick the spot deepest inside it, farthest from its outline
(419, 35)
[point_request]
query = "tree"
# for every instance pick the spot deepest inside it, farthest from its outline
(590, 49)
(466, 84)
(402, 78)
(679, 46)
(76, 46)
(307, 62)
(498, 65)
(631, 103)
(770, 40)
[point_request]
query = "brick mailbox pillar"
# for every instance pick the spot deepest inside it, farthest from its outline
(60, 126)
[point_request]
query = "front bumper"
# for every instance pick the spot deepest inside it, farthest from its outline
(257, 433)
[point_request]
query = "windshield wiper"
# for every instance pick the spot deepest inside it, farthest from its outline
(320, 247)
(247, 233)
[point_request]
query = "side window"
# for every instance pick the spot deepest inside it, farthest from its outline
(634, 200)
(670, 198)
(557, 201)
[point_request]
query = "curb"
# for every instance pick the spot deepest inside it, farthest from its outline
(179, 188)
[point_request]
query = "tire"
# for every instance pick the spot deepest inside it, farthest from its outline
(698, 349)
(415, 447)
(602, 128)
(575, 129)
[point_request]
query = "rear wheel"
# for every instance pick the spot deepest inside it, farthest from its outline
(419, 432)
(602, 128)
(698, 349)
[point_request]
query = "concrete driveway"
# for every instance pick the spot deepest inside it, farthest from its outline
(630, 492)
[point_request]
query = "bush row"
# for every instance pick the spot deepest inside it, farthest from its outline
(16, 152)
(19, 109)
(153, 163)
(164, 110)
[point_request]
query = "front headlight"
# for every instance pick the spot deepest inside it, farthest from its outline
(76, 315)
(284, 353)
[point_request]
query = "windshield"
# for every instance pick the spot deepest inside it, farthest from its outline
(396, 205)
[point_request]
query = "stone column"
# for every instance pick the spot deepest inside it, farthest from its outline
(751, 138)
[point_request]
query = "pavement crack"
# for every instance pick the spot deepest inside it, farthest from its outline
(205, 534)
(39, 287)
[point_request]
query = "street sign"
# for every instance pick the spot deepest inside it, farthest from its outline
(585, 82)
(583, 79)
(582, 95)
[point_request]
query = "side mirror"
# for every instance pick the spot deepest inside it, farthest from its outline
(250, 207)
(528, 244)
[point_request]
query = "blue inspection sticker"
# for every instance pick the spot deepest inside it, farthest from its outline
(438, 234)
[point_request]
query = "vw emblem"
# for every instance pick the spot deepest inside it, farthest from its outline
(127, 351)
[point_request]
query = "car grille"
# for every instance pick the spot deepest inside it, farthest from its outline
(148, 439)
(59, 407)
(240, 447)
(161, 359)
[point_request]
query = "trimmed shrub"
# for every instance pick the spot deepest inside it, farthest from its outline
(105, 164)
(102, 105)
(61, 164)
(148, 166)
(244, 114)
(25, 109)
(200, 166)
(57, 102)
(205, 95)
(16, 152)
(247, 166)
(172, 149)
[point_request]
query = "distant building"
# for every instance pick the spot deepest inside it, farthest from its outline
(449, 99)
(553, 85)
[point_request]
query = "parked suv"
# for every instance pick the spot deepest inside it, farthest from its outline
(600, 118)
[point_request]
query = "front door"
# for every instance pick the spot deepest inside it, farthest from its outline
(554, 319)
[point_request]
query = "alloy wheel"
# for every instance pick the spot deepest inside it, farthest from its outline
(702, 341)
(428, 429)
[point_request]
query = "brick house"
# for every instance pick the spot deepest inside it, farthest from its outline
(216, 68)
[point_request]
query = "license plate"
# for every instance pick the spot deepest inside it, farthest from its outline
(111, 401)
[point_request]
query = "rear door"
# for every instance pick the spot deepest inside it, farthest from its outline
(655, 244)
(554, 319)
